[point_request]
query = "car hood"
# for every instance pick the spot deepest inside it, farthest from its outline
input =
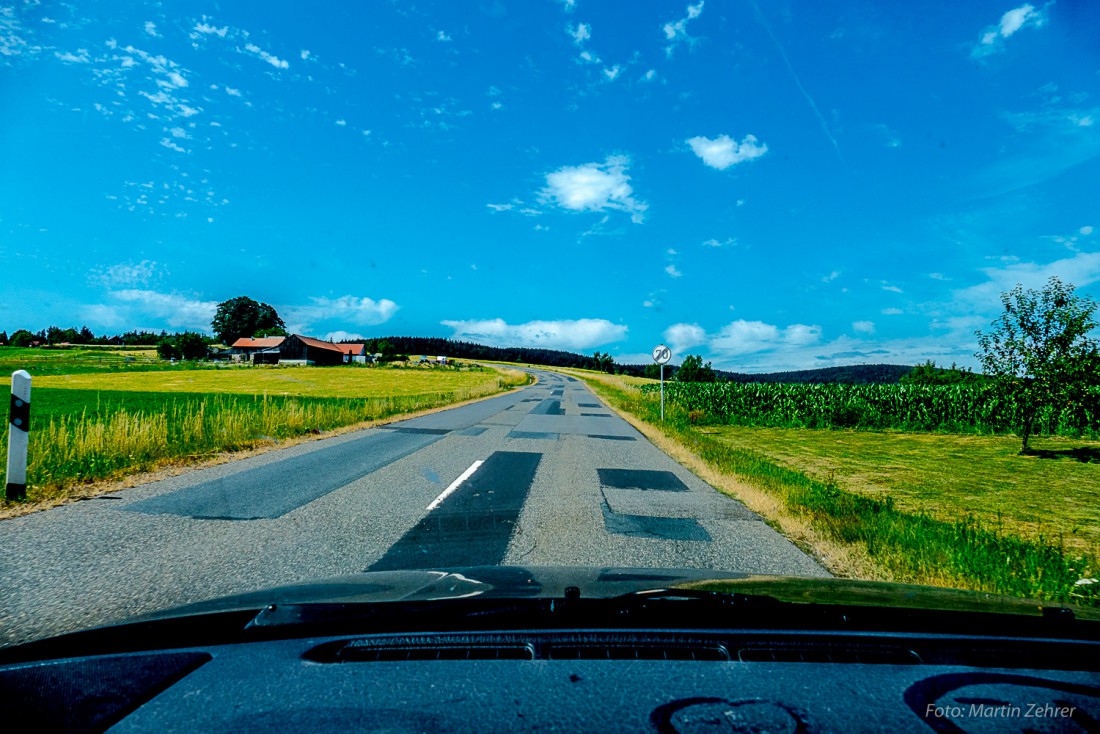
(552, 582)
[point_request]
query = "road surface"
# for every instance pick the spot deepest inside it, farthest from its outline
(545, 475)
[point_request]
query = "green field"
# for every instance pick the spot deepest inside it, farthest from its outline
(100, 424)
(964, 511)
(81, 359)
(348, 381)
(949, 476)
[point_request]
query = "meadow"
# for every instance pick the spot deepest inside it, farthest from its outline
(97, 424)
(959, 510)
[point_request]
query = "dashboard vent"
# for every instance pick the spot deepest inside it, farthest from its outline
(827, 653)
(360, 653)
(598, 651)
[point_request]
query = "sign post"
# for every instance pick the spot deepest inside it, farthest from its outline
(661, 355)
(19, 424)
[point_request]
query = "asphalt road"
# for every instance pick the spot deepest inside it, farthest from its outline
(545, 475)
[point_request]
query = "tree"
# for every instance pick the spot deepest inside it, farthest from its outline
(191, 345)
(243, 317)
(166, 349)
(3, 338)
(693, 370)
(1038, 352)
(273, 331)
(929, 374)
(604, 362)
(21, 338)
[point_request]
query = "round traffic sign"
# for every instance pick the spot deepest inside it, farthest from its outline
(661, 354)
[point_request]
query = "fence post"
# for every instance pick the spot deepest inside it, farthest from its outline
(19, 425)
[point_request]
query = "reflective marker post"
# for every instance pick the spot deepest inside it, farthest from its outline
(19, 424)
(661, 355)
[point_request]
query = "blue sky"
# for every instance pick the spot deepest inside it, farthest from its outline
(772, 185)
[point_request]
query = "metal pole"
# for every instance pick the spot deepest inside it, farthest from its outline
(662, 392)
(19, 424)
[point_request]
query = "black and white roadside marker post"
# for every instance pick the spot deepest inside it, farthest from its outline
(661, 355)
(19, 424)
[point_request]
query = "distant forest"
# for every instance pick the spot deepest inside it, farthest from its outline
(862, 374)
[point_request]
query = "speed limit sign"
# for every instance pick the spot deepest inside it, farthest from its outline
(661, 354)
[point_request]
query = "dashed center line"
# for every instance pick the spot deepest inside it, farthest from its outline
(455, 485)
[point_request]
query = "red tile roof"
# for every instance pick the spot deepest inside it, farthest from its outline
(317, 343)
(264, 342)
(352, 349)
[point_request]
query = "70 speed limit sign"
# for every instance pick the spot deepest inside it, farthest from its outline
(661, 354)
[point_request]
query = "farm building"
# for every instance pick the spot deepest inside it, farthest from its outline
(354, 352)
(244, 348)
(301, 350)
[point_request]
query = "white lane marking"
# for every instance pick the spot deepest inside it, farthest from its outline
(454, 485)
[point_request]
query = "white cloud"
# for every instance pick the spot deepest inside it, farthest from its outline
(748, 337)
(342, 336)
(304, 54)
(167, 143)
(728, 242)
(892, 312)
(892, 288)
(595, 187)
(269, 58)
(588, 57)
(613, 73)
(178, 311)
(673, 271)
(349, 309)
(680, 337)
(863, 327)
(126, 274)
(723, 151)
(831, 277)
(649, 75)
(1086, 230)
(564, 334)
(151, 29)
(341, 123)
(568, 5)
(205, 29)
(992, 39)
(581, 33)
(442, 37)
(676, 31)
(1082, 270)
(80, 57)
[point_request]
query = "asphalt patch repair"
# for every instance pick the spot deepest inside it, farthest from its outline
(644, 479)
(475, 524)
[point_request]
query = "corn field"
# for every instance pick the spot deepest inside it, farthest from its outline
(951, 408)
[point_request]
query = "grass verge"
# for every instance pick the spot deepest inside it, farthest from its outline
(857, 535)
(75, 442)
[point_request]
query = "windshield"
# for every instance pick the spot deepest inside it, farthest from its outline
(297, 291)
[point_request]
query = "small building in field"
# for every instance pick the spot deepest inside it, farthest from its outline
(303, 350)
(244, 348)
(354, 352)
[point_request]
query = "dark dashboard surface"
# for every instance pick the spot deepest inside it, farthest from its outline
(566, 680)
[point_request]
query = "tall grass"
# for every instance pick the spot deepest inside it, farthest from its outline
(71, 449)
(909, 547)
(950, 408)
